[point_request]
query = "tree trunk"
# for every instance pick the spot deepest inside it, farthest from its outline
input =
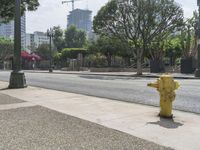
(127, 61)
(109, 60)
(139, 65)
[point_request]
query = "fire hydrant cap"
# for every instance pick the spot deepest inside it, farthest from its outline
(166, 76)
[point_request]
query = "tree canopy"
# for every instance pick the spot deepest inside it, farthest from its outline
(74, 38)
(139, 22)
(6, 48)
(188, 37)
(44, 51)
(58, 38)
(109, 46)
(7, 8)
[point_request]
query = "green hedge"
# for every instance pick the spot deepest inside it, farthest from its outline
(72, 52)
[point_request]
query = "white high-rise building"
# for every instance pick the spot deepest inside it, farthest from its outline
(36, 39)
(7, 30)
(30, 44)
(40, 38)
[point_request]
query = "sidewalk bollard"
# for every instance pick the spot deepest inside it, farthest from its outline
(166, 86)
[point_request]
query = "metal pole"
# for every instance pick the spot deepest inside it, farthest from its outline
(17, 78)
(51, 69)
(50, 35)
(197, 72)
(17, 39)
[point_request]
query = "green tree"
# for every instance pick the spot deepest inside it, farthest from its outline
(109, 47)
(43, 51)
(7, 8)
(139, 22)
(173, 49)
(58, 38)
(189, 37)
(74, 38)
(6, 48)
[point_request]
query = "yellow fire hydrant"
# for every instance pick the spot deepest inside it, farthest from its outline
(166, 86)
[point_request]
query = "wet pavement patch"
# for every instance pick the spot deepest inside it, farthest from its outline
(41, 128)
(5, 99)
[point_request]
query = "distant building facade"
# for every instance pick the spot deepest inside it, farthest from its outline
(82, 19)
(40, 38)
(36, 39)
(30, 44)
(7, 30)
(23, 31)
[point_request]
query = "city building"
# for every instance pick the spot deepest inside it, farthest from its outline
(40, 38)
(36, 39)
(23, 31)
(82, 19)
(7, 30)
(30, 44)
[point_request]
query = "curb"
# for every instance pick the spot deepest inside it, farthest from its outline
(120, 75)
(114, 75)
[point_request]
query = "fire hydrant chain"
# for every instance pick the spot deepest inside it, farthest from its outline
(166, 86)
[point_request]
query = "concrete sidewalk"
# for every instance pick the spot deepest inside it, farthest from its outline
(183, 132)
(121, 74)
(39, 128)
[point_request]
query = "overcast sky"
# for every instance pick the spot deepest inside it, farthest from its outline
(53, 13)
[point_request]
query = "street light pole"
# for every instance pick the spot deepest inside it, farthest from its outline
(17, 77)
(197, 72)
(50, 34)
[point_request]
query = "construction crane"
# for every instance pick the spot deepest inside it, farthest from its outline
(70, 1)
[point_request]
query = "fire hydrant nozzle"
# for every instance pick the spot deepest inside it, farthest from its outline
(155, 85)
(166, 86)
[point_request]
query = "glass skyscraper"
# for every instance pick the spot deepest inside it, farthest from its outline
(7, 30)
(82, 19)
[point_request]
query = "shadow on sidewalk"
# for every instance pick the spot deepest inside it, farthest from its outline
(167, 123)
(3, 89)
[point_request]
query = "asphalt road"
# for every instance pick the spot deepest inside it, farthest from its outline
(119, 88)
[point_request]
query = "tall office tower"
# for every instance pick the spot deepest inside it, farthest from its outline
(7, 30)
(82, 19)
(23, 31)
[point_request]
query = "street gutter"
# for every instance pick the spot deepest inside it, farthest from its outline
(114, 75)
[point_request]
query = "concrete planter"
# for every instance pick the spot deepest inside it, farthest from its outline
(157, 66)
(188, 65)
